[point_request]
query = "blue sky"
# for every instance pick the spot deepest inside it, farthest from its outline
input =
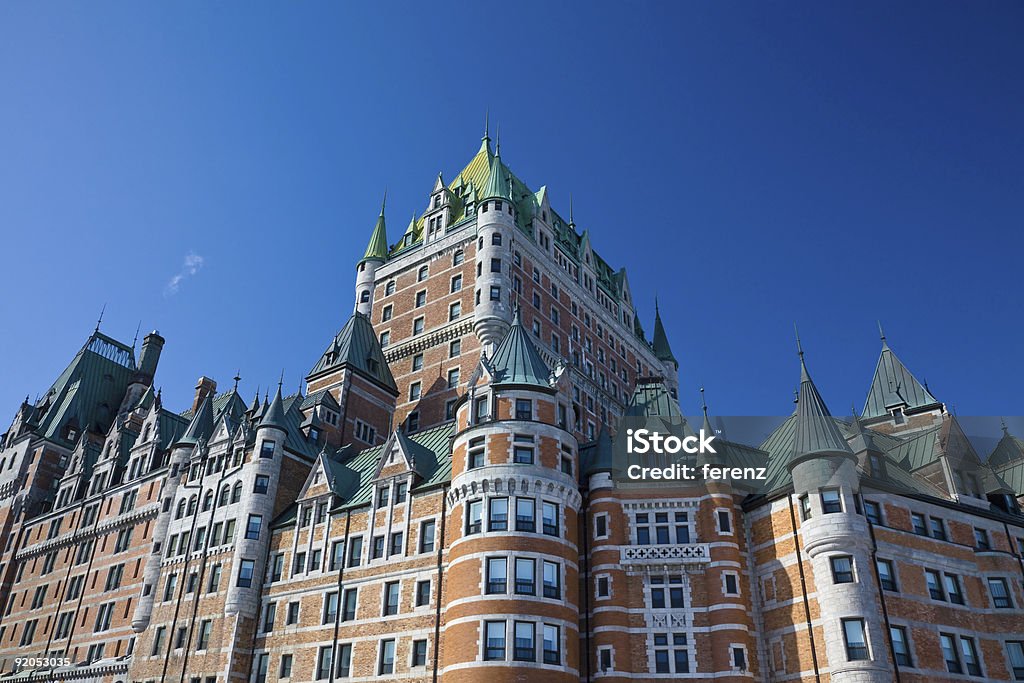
(754, 164)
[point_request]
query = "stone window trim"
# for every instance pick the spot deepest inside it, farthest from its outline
(610, 649)
(909, 642)
(733, 647)
(725, 584)
(604, 579)
(719, 526)
(607, 526)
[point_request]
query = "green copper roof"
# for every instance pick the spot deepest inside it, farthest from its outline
(356, 346)
(274, 417)
(597, 456)
(816, 431)
(1009, 449)
(378, 246)
(662, 350)
(516, 360)
(652, 399)
(893, 385)
(498, 181)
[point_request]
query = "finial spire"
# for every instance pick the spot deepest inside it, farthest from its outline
(800, 352)
(280, 380)
(487, 125)
(136, 340)
(703, 403)
(1002, 422)
(497, 140)
(237, 378)
(384, 202)
(881, 332)
(572, 219)
(100, 319)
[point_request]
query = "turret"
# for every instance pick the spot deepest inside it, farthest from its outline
(376, 254)
(495, 227)
(257, 512)
(837, 540)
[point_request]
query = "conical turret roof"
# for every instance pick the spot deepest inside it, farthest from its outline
(357, 346)
(377, 249)
(274, 417)
(201, 426)
(816, 431)
(662, 350)
(599, 455)
(497, 181)
(516, 360)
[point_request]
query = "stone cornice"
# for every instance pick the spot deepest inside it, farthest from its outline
(131, 517)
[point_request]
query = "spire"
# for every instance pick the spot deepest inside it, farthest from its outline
(237, 378)
(485, 141)
(662, 350)
(572, 219)
(497, 184)
(255, 407)
(816, 431)
(862, 438)
(274, 416)
(377, 249)
(516, 360)
(708, 429)
(100, 319)
(881, 335)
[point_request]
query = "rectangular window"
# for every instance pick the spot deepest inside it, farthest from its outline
(292, 614)
(842, 568)
(938, 528)
(422, 593)
(934, 582)
(345, 660)
(252, 529)
(337, 555)
(856, 642)
(474, 517)
(525, 648)
(981, 541)
(267, 449)
(900, 645)
(269, 615)
(391, 598)
(330, 609)
(525, 583)
(427, 530)
(950, 653)
(1015, 653)
(552, 581)
(886, 574)
(396, 544)
(285, 670)
(552, 644)
(497, 575)
(378, 547)
(724, 522)
(497, 517)
(549, 518)
(324, 663)
(1000, 593)
(417, 325)
(205, 628)
(601, 526)
(494, 640)
(419, 653)
(970, 653)
(919, 523)
(805, 508)
(262, 484)
(415, 390)
(524, 409)
(831, 501)
(873, 511)
(455, 348)
(355, 551)
(525, 515)
(522, 455)
(956, 594)
(348, 611)
(245, 572)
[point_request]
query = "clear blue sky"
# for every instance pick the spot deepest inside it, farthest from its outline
(754, 164)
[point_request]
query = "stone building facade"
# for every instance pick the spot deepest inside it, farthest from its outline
(439, 503)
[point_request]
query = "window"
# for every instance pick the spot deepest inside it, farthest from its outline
(601, 525)
(831, 501)
(389, 288)
(724, 522)
(495, 293)
(158, 640)
(474, 516)
(455, 348)
(291, 616)
(497, 575)
(348, 609)
(417, 362)
(252, 529)
(934, 585)
(414, 391)
(549, 518)
(245, 572)
(732, 586)
(417, 325)
(525, 649)
(919, 523)
(552, 581)
(422, 273)
(422, 593)
(262, 484)
(938, 528)
(286, 667)
(454, 311)
(525, 576)
(886, 574)
(324, 663)
(497, 518)
(524, 409)
(355, 551)
(421, 298)
(953, 589)
(386, 313)
(842, 568)
(739, 658)
(873, 511)
(900, 645)
(981, 541)
(458, 258)
(401, 491)
(269, 615)
(205, 628)
(603, 587)
(453, 378)
(525, 515)
(266, 450)
(427, 532)
(950, 653)
(385, 339)
(494, 640)
(856, 643)
(604, 656)
(1000, 593)
(395, 547)
(1015, 652)
(495, 265)
(805, 508)
(299, 564)
(522, 455)
(377, 551)
(170, 586)
(419, 653)
(391, 598)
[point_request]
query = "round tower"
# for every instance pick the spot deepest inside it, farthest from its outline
(495, 224)
(375, 256)
(511, 602)
(837, 541)
(253, 536)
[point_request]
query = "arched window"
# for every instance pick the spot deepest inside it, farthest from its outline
(236, 493)
(180, 512)
(389, 288)
(496, 239)
(458, 258)
(225, 494)
(192, 502)
(365, 296)
(207, 501)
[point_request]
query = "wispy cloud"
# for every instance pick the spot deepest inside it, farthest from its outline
(190, 266)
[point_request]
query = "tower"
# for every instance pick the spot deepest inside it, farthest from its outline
(496, 216)
(838, 542)
(376, 254)
(512, 597)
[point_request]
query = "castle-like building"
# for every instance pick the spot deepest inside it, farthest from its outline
(439, 504)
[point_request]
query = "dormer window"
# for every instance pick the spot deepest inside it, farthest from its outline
(897, 416)
(437, 200)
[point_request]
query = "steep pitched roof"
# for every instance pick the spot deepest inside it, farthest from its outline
(357, 347)
(516, 360)
(378, 246)
(893, 385)
(662, 350)
(597, 456)
(201, 426)
(497, 182)
(274, 417)
(1010, 449)
(816, 431)
(652, 399)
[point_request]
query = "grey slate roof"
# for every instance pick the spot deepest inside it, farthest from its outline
(356, 345)
(274, 417)
(662, 350)
(516, 360)
(1010, 449)
(894, 385)
(597, 456)
(201, 426)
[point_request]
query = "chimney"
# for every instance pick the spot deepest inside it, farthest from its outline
(204, 387)
(152, 345)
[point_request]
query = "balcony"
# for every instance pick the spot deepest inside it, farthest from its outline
(641, 557)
